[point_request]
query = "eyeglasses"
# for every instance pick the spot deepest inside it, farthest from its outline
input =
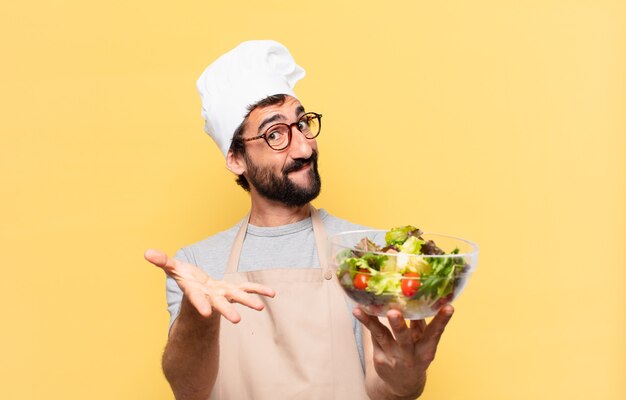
(278, 136)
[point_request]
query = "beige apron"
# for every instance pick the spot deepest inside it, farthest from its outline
(301, 346)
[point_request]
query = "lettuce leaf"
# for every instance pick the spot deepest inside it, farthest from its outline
(399, 235)
(412, 245)
(440, 281)
(380, 283)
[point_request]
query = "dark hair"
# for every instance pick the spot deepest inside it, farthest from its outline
(237, 145)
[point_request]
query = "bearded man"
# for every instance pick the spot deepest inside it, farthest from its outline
(289, 331)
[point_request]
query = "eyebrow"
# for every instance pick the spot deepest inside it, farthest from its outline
(279, 117)
(268, 120)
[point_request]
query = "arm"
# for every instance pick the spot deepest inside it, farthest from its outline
(190, 360)
(396, 363)
(191, 357)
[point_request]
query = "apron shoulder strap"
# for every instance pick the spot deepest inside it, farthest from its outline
(235, 251)
(320, 238)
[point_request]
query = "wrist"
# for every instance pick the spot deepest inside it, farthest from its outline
(401, 392)
(193, 318)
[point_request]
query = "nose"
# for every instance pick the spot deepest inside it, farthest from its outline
(300, 146)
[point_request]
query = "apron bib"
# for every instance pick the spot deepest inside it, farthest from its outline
(301, 346)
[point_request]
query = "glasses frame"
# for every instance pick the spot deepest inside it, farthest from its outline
(290, 126)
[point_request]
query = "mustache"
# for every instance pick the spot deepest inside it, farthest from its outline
(299, 163)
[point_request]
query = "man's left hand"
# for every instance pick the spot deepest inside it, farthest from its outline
(402, 355)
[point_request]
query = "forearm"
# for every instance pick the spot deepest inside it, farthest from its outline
(377, 389)
(191, 357)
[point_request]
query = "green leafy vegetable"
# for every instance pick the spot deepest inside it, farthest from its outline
(440, 281)
(369, 261)
(398, 236)
(412, 245)
(381, 283)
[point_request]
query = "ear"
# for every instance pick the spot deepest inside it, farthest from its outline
(235, 163)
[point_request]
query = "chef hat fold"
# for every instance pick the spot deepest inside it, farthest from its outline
(240, 78)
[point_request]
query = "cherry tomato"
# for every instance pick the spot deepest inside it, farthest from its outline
(360, 279)
(410, 284)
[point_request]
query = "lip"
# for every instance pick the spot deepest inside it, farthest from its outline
(303, 169)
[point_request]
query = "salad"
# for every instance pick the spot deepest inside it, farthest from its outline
(409, 273)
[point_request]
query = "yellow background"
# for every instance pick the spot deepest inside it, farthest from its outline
(499, 121)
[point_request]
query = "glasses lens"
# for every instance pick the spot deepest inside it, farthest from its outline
(309, 125)
(278, 136)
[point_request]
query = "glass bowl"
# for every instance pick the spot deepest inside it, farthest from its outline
(416, 284)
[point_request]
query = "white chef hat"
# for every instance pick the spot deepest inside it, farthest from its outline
(240, 78)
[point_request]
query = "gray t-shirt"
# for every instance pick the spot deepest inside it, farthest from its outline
(287, 246)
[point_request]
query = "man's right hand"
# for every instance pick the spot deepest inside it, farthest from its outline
(207, 294)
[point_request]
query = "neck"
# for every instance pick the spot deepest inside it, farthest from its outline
(267, 213)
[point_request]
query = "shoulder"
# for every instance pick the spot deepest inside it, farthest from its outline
(335, 225)
(216, 240)
(209, 253)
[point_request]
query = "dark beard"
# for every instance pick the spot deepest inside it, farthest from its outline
(281, 188)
